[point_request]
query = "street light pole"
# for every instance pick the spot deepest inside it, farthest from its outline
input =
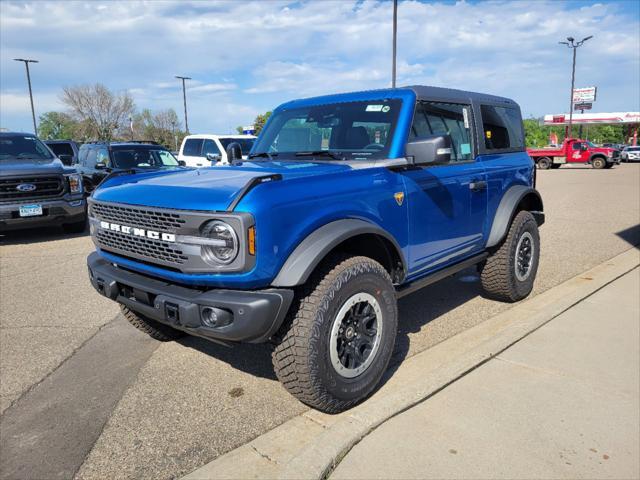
(27, 61)
(184, 99)
(395, 41)
(571, 43)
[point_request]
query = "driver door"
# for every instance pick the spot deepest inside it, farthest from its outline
(447, 202)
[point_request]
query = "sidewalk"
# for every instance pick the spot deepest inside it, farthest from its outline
(561, 403)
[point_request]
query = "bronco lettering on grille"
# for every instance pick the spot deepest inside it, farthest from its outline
(138, 232)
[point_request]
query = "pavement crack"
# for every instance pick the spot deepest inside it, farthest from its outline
(529, 367)
(263, 455)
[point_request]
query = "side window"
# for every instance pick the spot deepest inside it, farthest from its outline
(82, 155)
(102, 156)
(192, 147)
(576, 146)
(210, 146)
(451, 119)
(91, 158)
(502, 128)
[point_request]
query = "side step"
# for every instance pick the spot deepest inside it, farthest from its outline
(439, 275)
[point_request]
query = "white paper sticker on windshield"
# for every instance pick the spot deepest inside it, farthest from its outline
(466, 117)
(374, 108)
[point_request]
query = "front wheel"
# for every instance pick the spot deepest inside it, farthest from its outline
(598, 163)
(336, 345)
(509, 273)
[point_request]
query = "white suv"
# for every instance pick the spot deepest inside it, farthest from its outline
(206, 150)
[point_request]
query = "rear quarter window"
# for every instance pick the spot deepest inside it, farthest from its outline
(192, 147)
(502, 128)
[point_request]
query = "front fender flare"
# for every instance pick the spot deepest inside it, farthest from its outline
(507, 210)
(310, 252)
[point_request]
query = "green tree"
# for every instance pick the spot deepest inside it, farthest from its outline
(162, 126)
(57, 125)
(260, 120)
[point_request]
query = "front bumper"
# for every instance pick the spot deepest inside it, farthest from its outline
(255, 315)
(68, 209)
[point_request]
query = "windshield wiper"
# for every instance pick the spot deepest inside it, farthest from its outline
(321, 153)
(263, 154)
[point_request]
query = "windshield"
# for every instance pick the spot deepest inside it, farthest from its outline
(352, 130)
(592, 145)
(143, 158)
(245, 143)
(25, 147)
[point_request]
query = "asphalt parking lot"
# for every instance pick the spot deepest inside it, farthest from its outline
(84, 394)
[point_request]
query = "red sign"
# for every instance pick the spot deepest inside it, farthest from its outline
(558, 119)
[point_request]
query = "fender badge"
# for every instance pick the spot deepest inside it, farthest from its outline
(399, 196)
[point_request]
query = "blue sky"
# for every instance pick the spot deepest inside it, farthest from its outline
(247, 57)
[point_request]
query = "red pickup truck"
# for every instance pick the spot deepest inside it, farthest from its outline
(574, 151)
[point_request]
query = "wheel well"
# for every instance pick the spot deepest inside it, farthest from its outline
(530, 203)
(377, 248)
(598, 155)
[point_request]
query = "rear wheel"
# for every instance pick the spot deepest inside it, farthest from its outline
(154, 329)
(509, 273)
(544, 163)
(598, 163)
(340, 335)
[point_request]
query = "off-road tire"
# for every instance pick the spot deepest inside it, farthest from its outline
(76, 227)
(544, 163)
(498, 275)
(301, 357)
(154, 329)
(598, 163)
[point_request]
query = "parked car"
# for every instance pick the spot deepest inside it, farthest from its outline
(346, 203)
(573, 151)
(96, 160)
(630, 154)
(65, 150)
(208, 150)
(36, 189)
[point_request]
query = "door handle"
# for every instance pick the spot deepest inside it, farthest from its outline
(477, 185)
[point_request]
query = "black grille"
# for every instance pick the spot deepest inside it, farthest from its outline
(45, 187)
(138, 217)
(145, 247)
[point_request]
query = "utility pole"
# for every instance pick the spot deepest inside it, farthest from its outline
(184, 99)
(395, 41)
(27, 61)
(571, 43)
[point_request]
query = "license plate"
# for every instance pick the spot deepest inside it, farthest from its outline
(30, 210)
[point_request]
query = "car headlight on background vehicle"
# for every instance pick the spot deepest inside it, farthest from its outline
(75, 183)
(223, 248)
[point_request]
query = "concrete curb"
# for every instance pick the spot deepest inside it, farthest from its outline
(312, 444)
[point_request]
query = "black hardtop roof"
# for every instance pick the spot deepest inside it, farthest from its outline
(424, 92)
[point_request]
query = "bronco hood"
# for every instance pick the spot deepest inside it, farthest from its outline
(212, 188)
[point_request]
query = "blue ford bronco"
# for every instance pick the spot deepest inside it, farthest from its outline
(346, 203)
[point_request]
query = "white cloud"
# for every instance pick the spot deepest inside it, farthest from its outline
(246, 57)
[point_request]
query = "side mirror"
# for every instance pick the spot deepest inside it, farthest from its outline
(429, 149)
(213, 157)
(583, 147)
(182, 163)
(66, 159)
(234, 152)
(101, 166)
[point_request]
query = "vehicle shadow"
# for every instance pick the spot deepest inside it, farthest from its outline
(631, 235)
(37, 235)
(415, 312)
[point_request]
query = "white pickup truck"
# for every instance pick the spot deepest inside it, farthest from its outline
(207, 150)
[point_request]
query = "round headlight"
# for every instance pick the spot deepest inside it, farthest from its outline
(224, 248)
